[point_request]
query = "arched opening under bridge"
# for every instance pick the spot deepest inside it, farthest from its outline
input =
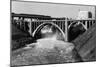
(47, 26)
(75, 29)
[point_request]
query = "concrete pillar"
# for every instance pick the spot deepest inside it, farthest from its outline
(66, 29)
(86, 25)
(89, 23)
(30, 27)
(24, 25)
(21, 23)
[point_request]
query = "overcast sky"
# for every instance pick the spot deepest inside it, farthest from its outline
(54, 10)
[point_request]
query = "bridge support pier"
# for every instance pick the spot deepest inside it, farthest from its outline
(66, 30)
(30, 27)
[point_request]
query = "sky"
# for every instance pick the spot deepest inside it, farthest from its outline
(50, 9)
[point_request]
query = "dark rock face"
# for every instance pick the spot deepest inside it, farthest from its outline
(19, 38)
(86, 44)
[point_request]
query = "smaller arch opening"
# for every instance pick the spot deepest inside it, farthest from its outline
(75, 29)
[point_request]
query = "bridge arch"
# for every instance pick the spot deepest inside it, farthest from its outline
(75, 29)
(41, 25)
(78, 22)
